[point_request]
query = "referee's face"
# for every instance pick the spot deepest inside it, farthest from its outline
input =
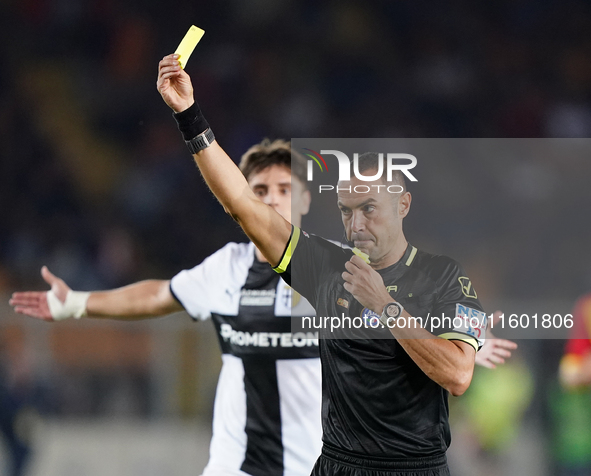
(275, 187)
(372, 217)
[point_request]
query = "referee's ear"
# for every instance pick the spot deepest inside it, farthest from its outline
(404, 204)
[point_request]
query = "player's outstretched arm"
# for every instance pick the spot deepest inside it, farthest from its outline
(263, 225)
(136, 301)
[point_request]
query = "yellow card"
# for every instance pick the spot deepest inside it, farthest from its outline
(361, 254)
(188, 44)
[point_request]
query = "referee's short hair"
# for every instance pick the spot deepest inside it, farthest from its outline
(268, 153)
(369, 161)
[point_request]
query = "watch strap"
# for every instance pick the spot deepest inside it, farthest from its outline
(200, 142)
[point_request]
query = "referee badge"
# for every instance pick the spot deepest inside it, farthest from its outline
(467, 288)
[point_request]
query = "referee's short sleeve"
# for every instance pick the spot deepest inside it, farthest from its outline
(458, 307)
(283, 267)
(307, 261)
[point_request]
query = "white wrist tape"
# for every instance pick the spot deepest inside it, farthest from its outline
(75, 305)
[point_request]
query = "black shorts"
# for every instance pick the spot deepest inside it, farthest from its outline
(333, 462)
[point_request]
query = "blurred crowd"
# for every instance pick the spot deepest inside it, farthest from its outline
(94, 180)
(96, 183)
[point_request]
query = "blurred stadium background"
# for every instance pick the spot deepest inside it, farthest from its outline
(95, 182)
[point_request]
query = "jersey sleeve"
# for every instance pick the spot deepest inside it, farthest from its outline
(458, 301)
(308, 260)
(202, 289)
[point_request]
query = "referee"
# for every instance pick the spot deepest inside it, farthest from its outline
(385, 409)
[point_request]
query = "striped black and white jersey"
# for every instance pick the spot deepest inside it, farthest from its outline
(268, 399)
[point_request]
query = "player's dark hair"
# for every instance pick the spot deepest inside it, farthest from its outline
(370, 161)
(268, 153)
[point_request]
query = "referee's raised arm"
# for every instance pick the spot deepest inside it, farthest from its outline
(268, 230)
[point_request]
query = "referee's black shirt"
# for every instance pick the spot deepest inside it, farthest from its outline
(376, 401)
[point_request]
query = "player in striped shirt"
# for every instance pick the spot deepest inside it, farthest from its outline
(267, 406)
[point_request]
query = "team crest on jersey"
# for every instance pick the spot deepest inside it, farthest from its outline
(369, 317)
(343, 303)
(290, 296)
(291, 303)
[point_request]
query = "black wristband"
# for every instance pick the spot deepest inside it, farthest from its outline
(191, 122)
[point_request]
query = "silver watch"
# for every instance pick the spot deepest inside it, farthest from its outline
(392, 310)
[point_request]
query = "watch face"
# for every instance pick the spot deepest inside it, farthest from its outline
(392, 310)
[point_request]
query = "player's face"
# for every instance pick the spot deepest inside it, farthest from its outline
(372, 220)
(275, 187)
